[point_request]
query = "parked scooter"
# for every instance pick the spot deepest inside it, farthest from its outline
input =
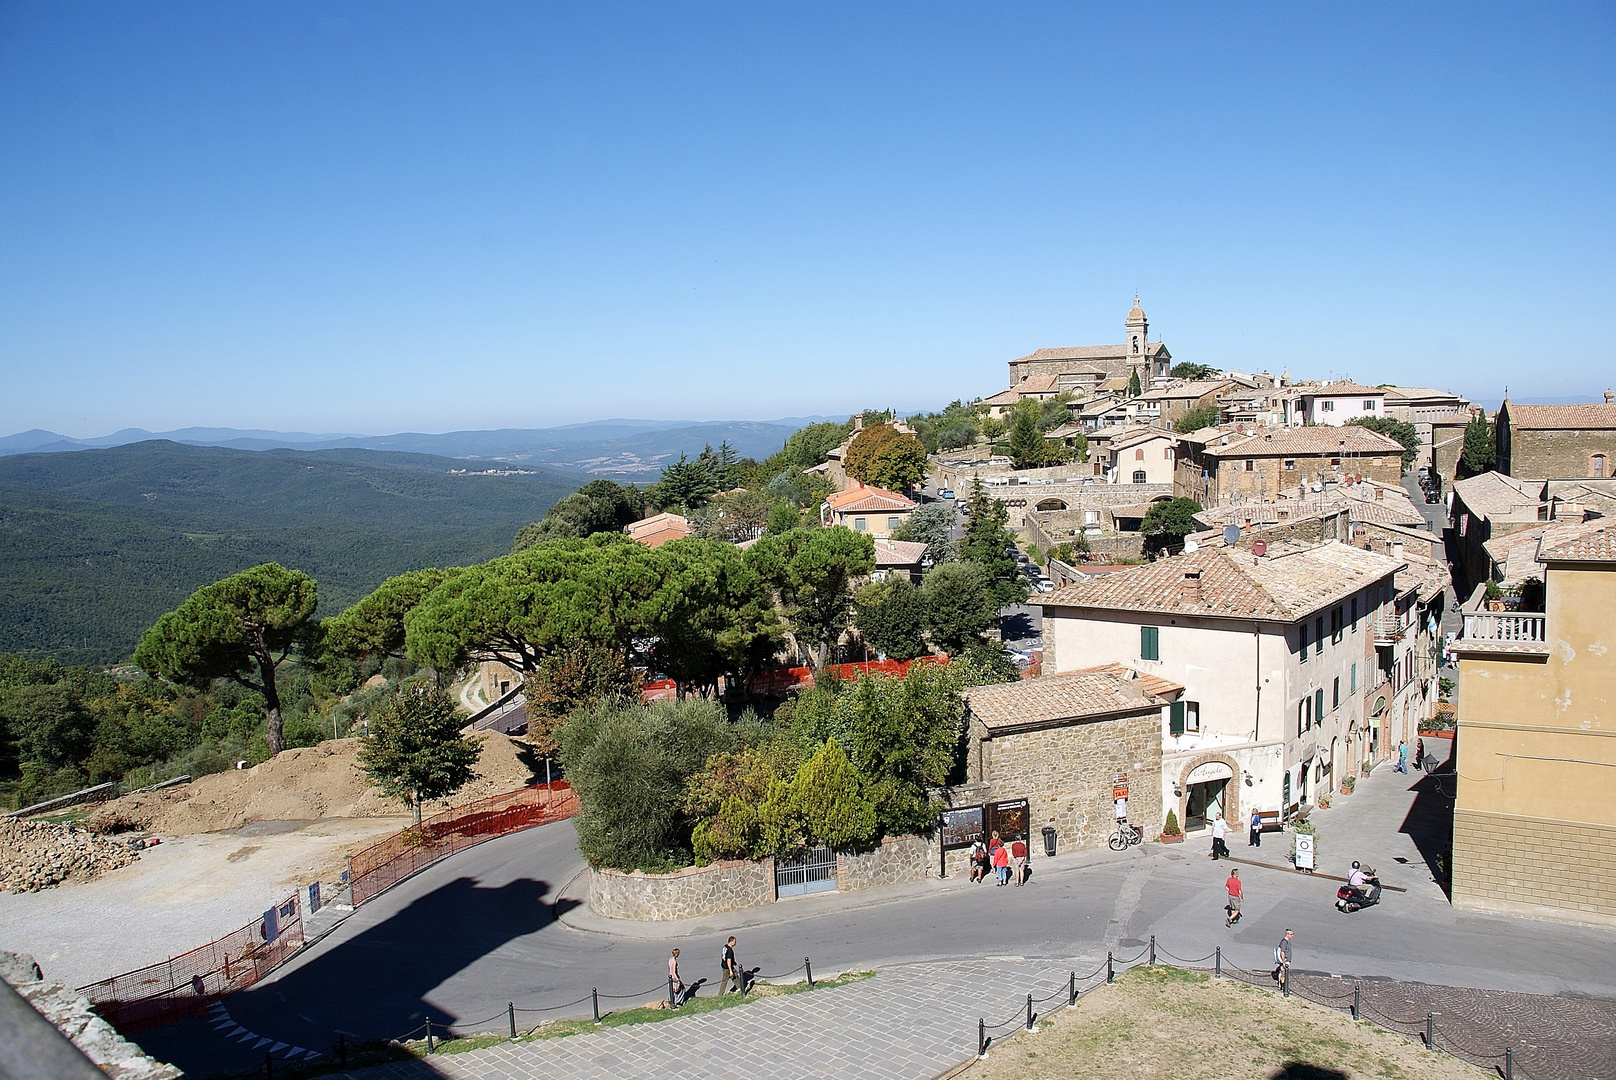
(1350, 898)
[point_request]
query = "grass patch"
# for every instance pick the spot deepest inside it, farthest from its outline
(1156, 1023)
(557, 1029)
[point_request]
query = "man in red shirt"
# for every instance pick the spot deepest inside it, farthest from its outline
(1018, 856)
(1235, 895)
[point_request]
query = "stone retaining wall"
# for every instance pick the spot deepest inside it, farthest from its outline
(685, 894)
(898, 859)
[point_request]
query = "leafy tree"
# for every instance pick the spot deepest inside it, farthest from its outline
(861, 452)
(1027, 447)
(413, 750)
(931, 525)
(1184, 369)
(46, 725)
(783, 518)
(892, 618)
(598, 506)
(241, 629)
(1134, 388)
(631, 765)
(516, 609)
(1401, 430)
(712, 615)
(375, 625)
(992, 427)
(1201, 416)
(1168, 522)
(899, 464)
(741, 516)
(812, 571)
(959, 605)
(828, 793)
(1480, 451)
(986, 543)
(808, 446)
(801, 490)
(575, 676)
(724, 798)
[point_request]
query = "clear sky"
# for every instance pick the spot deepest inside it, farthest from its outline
(400, 216)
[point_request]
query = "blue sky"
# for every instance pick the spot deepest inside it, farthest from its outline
(371, 218)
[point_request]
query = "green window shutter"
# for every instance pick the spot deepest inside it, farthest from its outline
(1178, 718)
(1304, 642)
(1149, 643)
(1318, 704)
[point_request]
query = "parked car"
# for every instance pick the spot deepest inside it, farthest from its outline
(1046, 586)
(947, 493)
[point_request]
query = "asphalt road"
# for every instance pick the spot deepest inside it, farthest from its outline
(463, 938)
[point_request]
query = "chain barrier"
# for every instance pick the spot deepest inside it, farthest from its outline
(553, 1008)
(1181, 960)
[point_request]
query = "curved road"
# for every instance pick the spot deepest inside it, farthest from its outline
(460, 939)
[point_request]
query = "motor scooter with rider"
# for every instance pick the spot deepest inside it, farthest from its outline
(1361, 890)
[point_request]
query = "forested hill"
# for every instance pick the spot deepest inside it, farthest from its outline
(95, 544)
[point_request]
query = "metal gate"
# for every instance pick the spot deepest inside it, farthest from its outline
(812, 871)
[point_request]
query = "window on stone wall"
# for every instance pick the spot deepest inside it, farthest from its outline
(1249, 464)
(1290, 463)
(1597, 466)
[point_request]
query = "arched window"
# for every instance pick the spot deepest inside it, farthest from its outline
(1139, 476)
(1139, 454)
(1596, 466)
(1136, 343)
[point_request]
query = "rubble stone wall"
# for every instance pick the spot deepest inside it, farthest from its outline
(684, 894)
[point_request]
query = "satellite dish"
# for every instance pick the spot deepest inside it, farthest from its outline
(1259, 548)
(1191, 547)
(1231, 534)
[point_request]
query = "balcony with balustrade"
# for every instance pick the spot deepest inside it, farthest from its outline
(1505, 632)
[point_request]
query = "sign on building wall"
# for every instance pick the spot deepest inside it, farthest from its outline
(1208, 771)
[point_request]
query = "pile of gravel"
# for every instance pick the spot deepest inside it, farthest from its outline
(35, 855)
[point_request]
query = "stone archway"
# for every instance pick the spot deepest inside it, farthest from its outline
(1231, 792)
(1051, 504)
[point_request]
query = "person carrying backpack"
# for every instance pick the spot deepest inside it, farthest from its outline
(1282, 958)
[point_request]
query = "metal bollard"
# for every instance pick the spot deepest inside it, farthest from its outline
(1153, 949)
(981, 1039)
(671, 1002)
(594, 1003)
(1285, 981)
(1029, 1012)
(1071, 989)
(1430, 1031)
(429, 1044)
(510, 1009)
(1509, 1063)
(1110, 974)
(807, 966)
(1217, 962)
(1356, 990)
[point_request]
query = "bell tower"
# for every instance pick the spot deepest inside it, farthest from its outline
(1138, 332)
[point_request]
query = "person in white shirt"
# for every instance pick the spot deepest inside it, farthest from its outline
(1220, 829)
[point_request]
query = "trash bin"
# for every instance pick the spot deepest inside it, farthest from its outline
(1049, 841)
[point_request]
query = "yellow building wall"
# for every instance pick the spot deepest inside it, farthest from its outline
(1535, 813)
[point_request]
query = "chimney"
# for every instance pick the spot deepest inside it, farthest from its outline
(1380, 494)
(1192, 586)
(1610, 397)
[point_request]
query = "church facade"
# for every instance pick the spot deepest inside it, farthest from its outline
(1084, 369)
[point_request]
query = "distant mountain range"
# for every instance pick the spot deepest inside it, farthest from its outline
(622, 449)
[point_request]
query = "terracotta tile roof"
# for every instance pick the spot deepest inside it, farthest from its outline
(1038, 384)
(1586, 545)
(658, 530)
(1150, 684)
(1404, 393)
(1194, 389)
(1492, 494)
(867, 500)
(1520, 554)
(1428, 577)
(1003, 397)
(1302, 441)
(1598, 417)
(1344, 388)
(898, 553)
(1289, 583)
(1088, 352)
(1139, 436)
(1053, 700)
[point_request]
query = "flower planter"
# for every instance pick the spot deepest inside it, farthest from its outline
(1172, 838)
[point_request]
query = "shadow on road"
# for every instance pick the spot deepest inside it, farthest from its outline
(1429, 823)
(371, 986)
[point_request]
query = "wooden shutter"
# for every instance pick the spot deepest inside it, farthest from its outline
(1177, 720)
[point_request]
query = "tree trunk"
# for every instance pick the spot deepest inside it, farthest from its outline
(415, 807)
(272, 702)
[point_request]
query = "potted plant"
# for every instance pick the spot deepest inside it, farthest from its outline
(1171, 833)
(1348, 782)
(1324, 802)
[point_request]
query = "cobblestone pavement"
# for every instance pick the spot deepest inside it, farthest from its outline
(906, 1023)
(913, 1022)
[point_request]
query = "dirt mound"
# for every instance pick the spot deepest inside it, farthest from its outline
(297, 785)
(37, 854)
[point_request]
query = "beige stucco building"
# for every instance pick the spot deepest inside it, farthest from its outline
(1534, 825)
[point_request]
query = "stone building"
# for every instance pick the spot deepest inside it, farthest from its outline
(1166, 405)
(1062, 742)
(1215, 466)
(1278, 650)
(1534, 826)
(1088, 368)
(865, 509)
(1557, 441)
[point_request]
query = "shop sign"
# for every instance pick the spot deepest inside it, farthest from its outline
(1208, 771)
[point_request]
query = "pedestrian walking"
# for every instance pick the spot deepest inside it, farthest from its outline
(1233, 888)
(675, 981)
(1419, 752)
(1220, 829)
(1018, 859)
(1001, 863)
(1402, 756)
(731, 978)
(1282, 958)
(1256, 828)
